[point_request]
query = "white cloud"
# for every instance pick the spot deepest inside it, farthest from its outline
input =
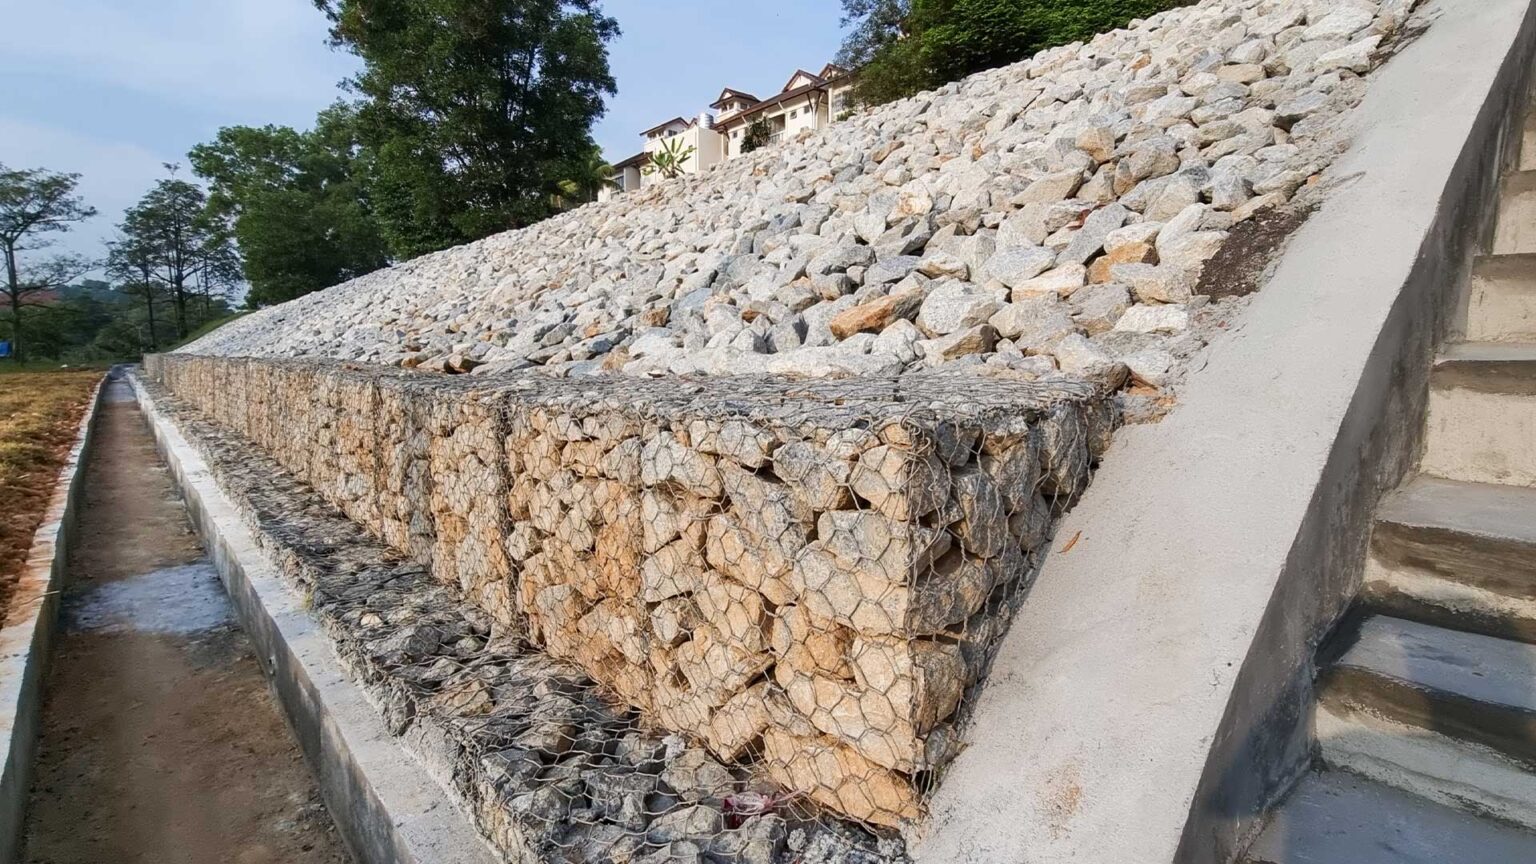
(113, 174)
(193, 52)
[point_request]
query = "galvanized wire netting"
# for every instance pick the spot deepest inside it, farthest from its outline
(801, 582)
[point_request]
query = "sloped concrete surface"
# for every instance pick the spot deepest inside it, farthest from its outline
(1150, 700)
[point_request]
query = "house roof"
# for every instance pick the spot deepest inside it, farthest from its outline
(831, 71)
(815, 79)
(769, 103)
(728, 94)
(634, 161)
(660, 126)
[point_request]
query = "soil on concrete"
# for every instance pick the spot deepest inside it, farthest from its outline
(1242, 264)
(161, 742)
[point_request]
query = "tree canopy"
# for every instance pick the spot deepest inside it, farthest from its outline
(34, 204)
(472, 111)
(904, 46)
(295, 203)
(190, 257)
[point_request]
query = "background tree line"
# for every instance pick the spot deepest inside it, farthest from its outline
(469, 117)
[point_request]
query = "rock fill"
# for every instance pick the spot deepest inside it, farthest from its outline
(1011, 221)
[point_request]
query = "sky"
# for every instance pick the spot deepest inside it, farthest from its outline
(112, 90)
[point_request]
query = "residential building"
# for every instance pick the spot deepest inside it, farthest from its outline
(806, 101)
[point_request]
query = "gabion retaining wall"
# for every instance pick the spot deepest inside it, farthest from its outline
(804, 575)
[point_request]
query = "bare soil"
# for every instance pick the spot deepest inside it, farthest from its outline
(161, 741)
(39, 418)
(1241, 266)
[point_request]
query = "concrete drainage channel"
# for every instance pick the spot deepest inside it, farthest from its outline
(387, 807)
(142, 727)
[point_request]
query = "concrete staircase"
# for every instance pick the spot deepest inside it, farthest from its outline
(1426, 713)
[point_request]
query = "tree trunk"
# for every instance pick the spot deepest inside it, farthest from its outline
(149, 303)
(13, 290)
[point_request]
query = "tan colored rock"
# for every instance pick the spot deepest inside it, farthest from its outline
(665, 461)
(837, 777)
(900, 483)
(757, 562)
(928, 677)
(733, 439)
(816, 479)
(876, 314)
(676, 568)
(735, 612)
(674, 620)
(811, 646)
(738, 723)
(717, 668)
(1102, 268)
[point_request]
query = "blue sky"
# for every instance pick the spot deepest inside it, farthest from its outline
(113, 89)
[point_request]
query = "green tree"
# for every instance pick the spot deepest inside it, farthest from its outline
(131, 260)
(585, 177)
(758, 134)
(931, 42)
(188, 247)
(34, 204)
(295, 204)
(873, 26)
(670, 159)
(471, 109)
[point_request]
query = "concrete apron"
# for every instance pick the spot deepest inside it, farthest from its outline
(383, 801)
(1151, 698)
(27, 637)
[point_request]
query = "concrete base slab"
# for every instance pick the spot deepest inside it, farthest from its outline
(384, 801)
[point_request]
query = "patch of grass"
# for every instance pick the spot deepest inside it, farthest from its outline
(207, 328)
(39, 417)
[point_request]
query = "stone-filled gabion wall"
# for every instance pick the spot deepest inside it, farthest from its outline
(805, 575)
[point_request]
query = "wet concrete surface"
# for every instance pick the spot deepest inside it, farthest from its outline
(161, 741)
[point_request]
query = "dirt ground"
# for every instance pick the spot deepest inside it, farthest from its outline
(39, 418)
(161, 742)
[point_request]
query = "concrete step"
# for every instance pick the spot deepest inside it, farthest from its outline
(1428, 597)
(1482, 414)
(1440, 768)
(1502, 302)
(1333, 817)
(1516, 231)
(1475, 689)
(1481, 534)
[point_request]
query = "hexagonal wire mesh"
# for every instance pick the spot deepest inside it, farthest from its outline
(803, 582)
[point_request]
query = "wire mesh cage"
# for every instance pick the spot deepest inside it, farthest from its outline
(781, 595)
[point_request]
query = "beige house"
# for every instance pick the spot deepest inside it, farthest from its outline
(806, 101)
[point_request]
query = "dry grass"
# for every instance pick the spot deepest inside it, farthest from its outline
(39, 417)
